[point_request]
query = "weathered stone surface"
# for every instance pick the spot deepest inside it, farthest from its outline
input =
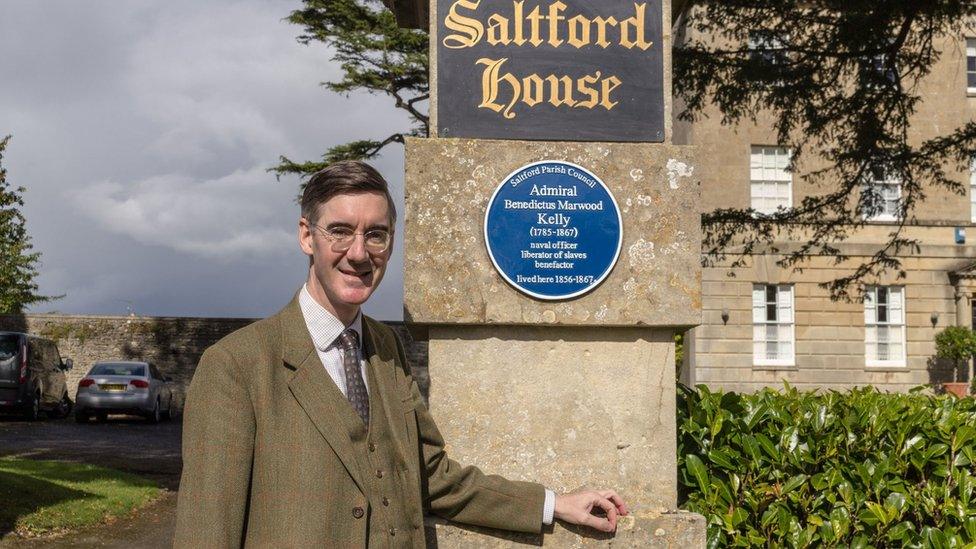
(563, 406)
(449, 278)
(651, 529)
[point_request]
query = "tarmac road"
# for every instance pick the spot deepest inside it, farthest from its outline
(126, 444)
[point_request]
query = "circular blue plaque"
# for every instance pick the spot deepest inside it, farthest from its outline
(553, 230)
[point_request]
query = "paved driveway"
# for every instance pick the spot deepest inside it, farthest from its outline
(132, 445)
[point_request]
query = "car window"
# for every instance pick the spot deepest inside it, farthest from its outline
(34, 355)
(9, 346)
(57, 355)
(50, 355)
(110, 369)
(155, 372)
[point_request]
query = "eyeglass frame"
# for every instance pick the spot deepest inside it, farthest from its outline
(324, 231)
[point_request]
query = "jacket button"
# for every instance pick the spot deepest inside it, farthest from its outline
(392, 531)
(379, 473)
(386, 502)
(358, 512)
(372, 447)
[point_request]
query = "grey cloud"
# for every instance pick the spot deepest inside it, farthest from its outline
(143, 131)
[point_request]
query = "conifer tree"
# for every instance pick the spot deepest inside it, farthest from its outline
(18, 263)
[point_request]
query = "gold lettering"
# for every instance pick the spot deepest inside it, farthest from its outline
(532, 85)
(583, 85)
(498, 30)
(520, 19)
(601, 30)
(535, 19)
(533, 89)
(489, 87)
(471, 30)
(638, 23)
(609, 84)
(554, 19)
(554, 98)
(579, 31)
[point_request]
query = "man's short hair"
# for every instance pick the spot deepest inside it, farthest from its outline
(343, 177)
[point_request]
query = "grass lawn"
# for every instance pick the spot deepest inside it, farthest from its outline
(38, 497)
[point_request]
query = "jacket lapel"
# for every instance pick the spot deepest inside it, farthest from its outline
(314, 389)
(380, 352)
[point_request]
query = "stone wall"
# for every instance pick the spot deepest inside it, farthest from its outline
(173, 344)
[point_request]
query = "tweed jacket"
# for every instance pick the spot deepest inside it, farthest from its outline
(266, 464)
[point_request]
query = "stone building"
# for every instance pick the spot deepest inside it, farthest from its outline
(766, 325)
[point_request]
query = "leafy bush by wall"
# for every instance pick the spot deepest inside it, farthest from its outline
(853, 469)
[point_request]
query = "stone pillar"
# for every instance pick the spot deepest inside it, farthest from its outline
(962, 308)
(570, 393)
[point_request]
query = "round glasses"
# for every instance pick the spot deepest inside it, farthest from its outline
(376, 241)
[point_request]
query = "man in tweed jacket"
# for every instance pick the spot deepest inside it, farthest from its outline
(291, 439)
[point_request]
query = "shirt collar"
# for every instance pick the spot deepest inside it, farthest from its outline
(322, 325)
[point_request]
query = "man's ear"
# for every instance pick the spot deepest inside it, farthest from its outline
(305, 236)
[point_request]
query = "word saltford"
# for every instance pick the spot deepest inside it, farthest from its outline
(539, 248)
(522, 28)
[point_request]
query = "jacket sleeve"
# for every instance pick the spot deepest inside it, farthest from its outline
(463, 493)
(218, 444)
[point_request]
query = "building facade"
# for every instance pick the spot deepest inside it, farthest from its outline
(765, 325)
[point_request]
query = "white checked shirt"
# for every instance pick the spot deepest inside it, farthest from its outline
(324, 328)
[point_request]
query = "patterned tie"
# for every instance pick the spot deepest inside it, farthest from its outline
(355, 386)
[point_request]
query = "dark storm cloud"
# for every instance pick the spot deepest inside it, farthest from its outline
(143, 131)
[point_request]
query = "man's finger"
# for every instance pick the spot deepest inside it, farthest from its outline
(617, 501)
(598, 523)
(609, 509)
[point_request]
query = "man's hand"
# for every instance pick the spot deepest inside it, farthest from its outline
(577, 507)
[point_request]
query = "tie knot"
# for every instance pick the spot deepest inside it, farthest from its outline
(349, 340)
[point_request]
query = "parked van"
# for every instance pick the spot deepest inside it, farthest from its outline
(32, 376)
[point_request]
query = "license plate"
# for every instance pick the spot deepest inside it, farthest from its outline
(112, 387)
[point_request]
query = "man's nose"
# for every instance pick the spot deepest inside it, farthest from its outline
(357, 250)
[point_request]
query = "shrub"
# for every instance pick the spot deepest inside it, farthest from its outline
(956, 343)
(857, 469)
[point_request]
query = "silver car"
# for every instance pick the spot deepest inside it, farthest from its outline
(124, 387)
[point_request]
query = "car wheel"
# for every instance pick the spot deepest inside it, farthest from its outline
(33, 409)
(81, 417)
(155, 414)
(64, 407)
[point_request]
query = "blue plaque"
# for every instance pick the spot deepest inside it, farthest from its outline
(553, 230)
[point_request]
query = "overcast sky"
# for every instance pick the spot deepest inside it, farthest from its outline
(143, 131)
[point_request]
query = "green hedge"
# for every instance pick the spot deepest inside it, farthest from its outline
(857, 469)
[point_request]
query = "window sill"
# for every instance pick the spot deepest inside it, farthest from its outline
(887, 220)
(774, 365)
(885, 366)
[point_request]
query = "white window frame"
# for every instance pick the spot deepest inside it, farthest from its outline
(768, 169)
(783, 324)
(972, 189)
(880, 177)
(970, 64)
(894, 321)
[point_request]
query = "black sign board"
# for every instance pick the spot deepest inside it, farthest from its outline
(579, 70)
